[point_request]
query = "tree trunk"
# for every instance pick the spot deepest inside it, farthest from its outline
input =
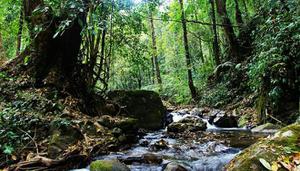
(187, 53)
(238, 14)
(154, 50)
(55, 60)
(19, 39)
(228, 31)
(216, 48)
(2, 52)
(246, 9)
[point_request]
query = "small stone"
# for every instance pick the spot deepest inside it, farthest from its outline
(174, 167)
(150, 158)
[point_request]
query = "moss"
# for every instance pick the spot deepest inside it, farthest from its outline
(269, 149)
(108, 165)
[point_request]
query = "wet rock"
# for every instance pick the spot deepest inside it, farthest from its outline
(222, 120)
(145, 106)
(268, 149)
(196, 112)
(268, 127)
(108, 165)
(150, 158)
(183, 111)
(191, 124)
(160, 145)
(174, 167)
(144, 143)
(169, 119)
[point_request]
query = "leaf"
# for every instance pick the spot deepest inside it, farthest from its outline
(8, 150)
(274, 166)
(265, 164)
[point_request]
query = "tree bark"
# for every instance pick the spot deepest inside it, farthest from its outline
(228, 31)
(216, 48)
(2, 52)
(238, 14)
(187, 53)
(246, 9)
(154, 50)
(19, 39)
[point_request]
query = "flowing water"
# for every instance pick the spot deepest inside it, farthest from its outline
(194, 155)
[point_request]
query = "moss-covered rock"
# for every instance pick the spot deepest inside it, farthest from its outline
(269, 149)
(62, 135)
(145, 106)
(108, 165)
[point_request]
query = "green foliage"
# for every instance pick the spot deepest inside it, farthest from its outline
(276, 61)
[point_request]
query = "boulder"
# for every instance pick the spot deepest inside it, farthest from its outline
(191, 124)
(108, 165)
(268, 150)
(222, 120)
(268, 127)
(174, 167)
(145, 106)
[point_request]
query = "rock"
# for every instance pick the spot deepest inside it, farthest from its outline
(160, 145)
(144, 143)
(269, 149)
(196, 112)
(117, 131)
(268, 127)
(183, 111)
(169, 119)
(62, 135)
(108, 165)
(174, 167)
(191, 124)
(222, 120)
(150, 158)
(145, 106)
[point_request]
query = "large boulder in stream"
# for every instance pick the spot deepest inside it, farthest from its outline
(145, 106)
(108, 165)
(191, 124)
(269, 152)
(223, 120)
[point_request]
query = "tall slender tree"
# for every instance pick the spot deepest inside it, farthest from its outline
(154, 49)
(19, 38)
(187, 53)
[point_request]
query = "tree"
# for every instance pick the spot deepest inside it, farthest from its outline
(19, 39)
(187, 53)
(238, 14)
(228, 31)
(154, 49)
(216, 48)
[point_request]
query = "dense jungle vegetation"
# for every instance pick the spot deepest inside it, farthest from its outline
(65, 64)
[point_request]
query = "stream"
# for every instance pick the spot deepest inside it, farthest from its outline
(209, 152)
